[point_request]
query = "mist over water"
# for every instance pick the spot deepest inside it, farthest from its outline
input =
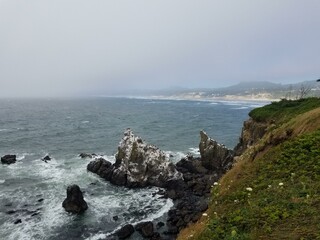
(65, 128)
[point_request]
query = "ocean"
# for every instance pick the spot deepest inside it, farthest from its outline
(33, 190)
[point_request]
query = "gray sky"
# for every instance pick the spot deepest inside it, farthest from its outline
(70, 47)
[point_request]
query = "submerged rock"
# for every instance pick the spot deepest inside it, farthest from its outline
(137, 165)
(8, 159)
(214, 156)
(74, 202)
(87, 155)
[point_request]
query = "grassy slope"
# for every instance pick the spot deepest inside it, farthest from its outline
(271, 210)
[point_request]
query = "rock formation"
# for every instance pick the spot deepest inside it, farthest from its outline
(137, 165)
(74, 202)
(251, 132)
(125, 232)
(8, 159)
(214, 156)
(146, 229)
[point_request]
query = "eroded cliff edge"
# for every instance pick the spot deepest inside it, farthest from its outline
(273, 189)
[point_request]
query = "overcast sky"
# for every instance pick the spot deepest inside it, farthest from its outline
(70, 47)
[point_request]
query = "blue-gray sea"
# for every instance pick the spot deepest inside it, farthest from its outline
(33, 128)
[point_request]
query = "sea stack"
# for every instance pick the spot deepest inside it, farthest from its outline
(74, 202)
(137, 165)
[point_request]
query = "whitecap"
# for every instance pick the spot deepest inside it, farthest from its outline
(3, 130)
(2, 181)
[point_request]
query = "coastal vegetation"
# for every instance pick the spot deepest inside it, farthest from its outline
(273, 190)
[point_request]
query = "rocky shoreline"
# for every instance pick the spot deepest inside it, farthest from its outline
(188, 183)
(138, 164)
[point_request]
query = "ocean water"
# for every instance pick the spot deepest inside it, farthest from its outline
(64, 129)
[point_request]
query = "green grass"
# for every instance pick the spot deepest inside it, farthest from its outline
(283, 110)
(271, 210)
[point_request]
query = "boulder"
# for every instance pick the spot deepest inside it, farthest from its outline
(74, 202)
(214, 156)
(137, 165)
(145, 228)
(8, 159)
(125, 232)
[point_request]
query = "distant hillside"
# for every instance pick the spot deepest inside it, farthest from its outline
(249, 90)
(273, 189)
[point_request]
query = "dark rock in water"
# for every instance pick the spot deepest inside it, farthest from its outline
(18, 221)
(137, 165)
(87, 155)
(8, 159)
(40, 200)
(34, 214)
(145, 228)
(115, 218)
(11, 212)
(46, 158)
(214, 156)
(74, 202)
(125, 232)
(160, 225)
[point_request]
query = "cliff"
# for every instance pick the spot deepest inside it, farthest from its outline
(273, 188)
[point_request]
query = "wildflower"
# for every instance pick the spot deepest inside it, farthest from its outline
(249, 189)
(215, 183)
(269, 186)
(236, 201)
(281, 184)
(204, 214)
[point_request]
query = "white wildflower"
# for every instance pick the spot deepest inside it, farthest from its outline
(281, 184)
(215, 183)
(204, 214)
(269, 186)
(249, 189)
(236, 201)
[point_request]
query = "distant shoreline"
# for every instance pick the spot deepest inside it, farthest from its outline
(212, 99)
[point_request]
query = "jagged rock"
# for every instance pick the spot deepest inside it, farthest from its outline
(8, 159)
(74, 202)
(137, 165)
(125, 232)
(145, 228)
(214, 156)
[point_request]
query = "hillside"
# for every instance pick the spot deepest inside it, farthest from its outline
(273, 189)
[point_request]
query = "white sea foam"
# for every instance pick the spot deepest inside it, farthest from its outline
(194, 151)
(3, 130)
(2, 181)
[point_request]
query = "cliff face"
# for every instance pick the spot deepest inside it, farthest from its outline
(252, 132)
